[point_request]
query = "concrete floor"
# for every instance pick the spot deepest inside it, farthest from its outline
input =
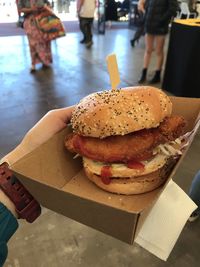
(54, 240)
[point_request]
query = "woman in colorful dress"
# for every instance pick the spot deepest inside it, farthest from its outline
(40, 49)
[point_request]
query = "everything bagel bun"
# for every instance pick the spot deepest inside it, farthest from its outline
(120, 112)
(133, 185)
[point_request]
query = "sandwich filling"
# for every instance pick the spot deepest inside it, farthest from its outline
(138, 146)
(135, 168)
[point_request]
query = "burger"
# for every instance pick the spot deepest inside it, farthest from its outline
(128, 138)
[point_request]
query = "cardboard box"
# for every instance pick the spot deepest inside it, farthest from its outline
(58, 182)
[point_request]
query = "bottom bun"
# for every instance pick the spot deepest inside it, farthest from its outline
(134, 185)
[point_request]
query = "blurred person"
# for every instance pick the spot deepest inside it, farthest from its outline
(59, 6)
(110, 12)
(194, 194)
(85, 12)
(40, 49)
(50, 124)
(192, 4)
(139, 29)
(63, 6)
(158, 14)
(125, 4)
(123, 8)
(17, 8)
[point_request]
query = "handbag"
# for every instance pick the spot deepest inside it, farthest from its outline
(50, 25)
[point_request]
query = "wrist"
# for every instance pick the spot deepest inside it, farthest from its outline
(4, 199)
(25, 206)
(8, 226)
(8, 203)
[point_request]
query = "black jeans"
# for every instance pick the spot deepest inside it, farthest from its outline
(86, 28)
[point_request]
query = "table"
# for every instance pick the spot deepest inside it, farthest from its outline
(182, 69)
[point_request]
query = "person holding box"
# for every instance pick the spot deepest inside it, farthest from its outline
(13, 205)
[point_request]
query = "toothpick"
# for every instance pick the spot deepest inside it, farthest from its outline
(113, 71)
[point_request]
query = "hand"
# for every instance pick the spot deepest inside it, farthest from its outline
(50, 124)
(53, 122)
(141, 6)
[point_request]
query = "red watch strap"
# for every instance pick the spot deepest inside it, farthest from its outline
(25, 204)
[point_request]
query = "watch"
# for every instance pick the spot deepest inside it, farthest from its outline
(25, 205)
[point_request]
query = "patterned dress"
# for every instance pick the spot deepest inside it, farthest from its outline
(40, 49)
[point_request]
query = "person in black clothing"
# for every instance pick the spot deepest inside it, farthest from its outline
(139, 28)
(111, 11)
(192, 4)
(158, 14)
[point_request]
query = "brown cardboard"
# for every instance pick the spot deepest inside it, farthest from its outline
(58, 182)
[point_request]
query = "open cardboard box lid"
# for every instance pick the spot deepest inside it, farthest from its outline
(58, 182)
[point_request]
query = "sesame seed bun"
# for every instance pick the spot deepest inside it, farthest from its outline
(121, 111)
(133, 185)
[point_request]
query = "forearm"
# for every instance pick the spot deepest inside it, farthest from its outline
(79, 5)
(171, 11)
(26, 10)
(33, 9)
(8, 203)
(8, 226)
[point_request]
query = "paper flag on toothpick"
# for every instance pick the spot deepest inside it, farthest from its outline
(113, 71)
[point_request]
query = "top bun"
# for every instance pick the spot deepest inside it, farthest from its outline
(119, 112)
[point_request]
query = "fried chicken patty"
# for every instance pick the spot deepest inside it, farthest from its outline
(135, 146)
